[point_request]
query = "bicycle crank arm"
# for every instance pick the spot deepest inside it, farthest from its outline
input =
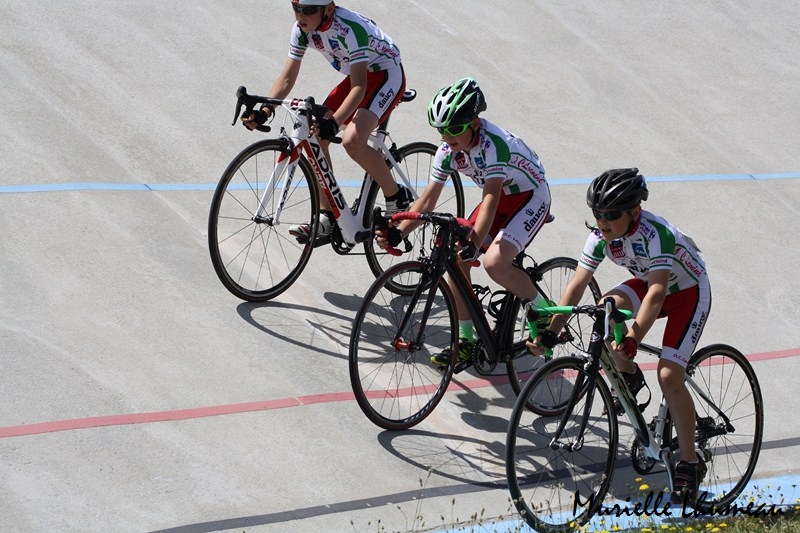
(363, 236)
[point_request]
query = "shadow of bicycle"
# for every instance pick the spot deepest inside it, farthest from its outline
(316, 327)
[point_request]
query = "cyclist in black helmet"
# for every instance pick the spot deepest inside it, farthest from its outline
(669, 279)
(373, 85)
(515, 202)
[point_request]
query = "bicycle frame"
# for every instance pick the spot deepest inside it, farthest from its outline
(450, 265)
(300, 143)
(599, 357)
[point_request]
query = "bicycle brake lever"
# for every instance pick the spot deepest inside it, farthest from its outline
(381, 223)
(241, 92)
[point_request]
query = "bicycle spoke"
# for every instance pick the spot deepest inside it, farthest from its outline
(255, 257)
(395, 383)
(545, 479)
(728, 381)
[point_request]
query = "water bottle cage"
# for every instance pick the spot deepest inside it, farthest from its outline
(496, 303)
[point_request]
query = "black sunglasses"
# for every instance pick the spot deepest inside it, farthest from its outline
(306, 10)
(607, 215)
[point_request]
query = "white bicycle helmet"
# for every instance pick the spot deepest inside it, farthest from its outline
(456, 104)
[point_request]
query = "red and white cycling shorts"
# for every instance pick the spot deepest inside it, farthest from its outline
(384, 90)
(686, 312)
(518, 219)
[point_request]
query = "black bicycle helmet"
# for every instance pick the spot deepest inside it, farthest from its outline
(456, 104)
(618, 189)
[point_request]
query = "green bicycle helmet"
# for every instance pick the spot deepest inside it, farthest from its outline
(618, 189)
(456, 104)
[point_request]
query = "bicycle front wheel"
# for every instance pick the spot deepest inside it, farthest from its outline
(548, 476)
(415, 162)
(551, 279)
(252, 252)
(730, 421)
(391, 344)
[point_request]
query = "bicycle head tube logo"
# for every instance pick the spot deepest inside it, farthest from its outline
(326, 179)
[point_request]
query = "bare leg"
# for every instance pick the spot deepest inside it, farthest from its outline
(625, 365)
(671, 378)
(497, 262)
(355, 140)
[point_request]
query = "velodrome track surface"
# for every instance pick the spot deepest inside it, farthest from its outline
(138, 395)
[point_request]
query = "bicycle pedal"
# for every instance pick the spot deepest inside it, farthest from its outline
(461, 366)
(321, 241)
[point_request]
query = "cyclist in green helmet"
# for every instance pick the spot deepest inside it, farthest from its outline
(514, 206)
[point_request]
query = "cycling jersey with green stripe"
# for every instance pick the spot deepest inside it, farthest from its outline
(498, 154)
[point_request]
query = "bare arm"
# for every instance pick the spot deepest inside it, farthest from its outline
(286, 79)
(358, 89)
(492, 190)
(651, 304)
(280, 89)
(572, 295)
(425, 203)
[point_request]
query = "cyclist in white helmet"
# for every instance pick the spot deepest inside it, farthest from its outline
(515, 202)
(373, 85)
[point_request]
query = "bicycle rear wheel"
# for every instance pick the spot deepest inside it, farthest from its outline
(724, 387)
(415, 160)
(551, 278)
(253, 255)
(547, 480)
(392, 341)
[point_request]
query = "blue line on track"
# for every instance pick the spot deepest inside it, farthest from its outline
(83, 186)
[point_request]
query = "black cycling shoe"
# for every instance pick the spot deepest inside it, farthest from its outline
(686, 482)
(635, 383)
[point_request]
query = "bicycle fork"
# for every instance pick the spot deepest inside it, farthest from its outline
(398, 343)
(287, 164)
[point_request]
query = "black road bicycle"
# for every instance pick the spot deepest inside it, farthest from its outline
(552, 460)
(394, 335)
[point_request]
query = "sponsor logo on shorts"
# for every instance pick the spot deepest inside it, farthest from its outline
(697, 327)
(531, 222)
(385, 97)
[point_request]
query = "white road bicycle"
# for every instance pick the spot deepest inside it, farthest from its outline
(261, 194)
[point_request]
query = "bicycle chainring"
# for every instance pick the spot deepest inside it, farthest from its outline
(639, 459)
(480, 362)
(337, 241)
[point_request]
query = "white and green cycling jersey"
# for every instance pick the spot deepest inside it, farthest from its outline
(654, 244)
(498, 154)
(349, 38)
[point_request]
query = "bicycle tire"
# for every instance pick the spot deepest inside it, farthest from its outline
(416, 159)
(545, 480)
(398, 387)
(727, 378)
(556, 274)
(255, 260)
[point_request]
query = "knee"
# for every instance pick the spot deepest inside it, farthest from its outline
(353, 143)
(492, 265)
(671, 380)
